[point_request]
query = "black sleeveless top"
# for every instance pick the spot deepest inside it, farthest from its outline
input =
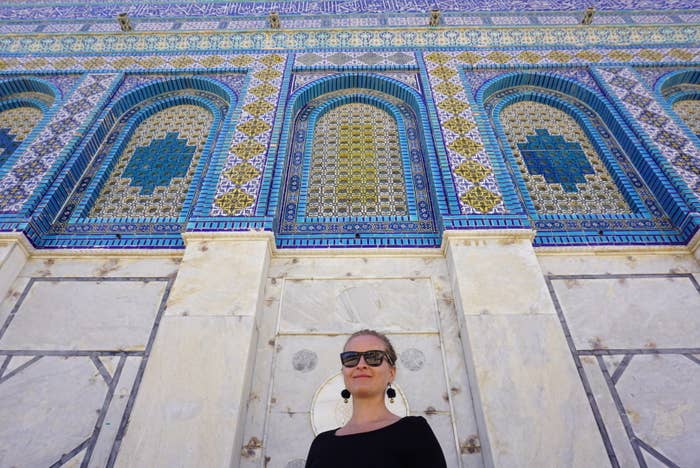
(407, 443)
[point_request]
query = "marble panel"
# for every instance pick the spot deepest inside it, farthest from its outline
(400, 263)
(629, 312)
(220, 277)
(47, 409)
(86, 265)
(261, 381)
(661, 399)
(346, 305)
(190, 400)
(608, 412)
(87, 315)
(526, 379)
(288, 441)
(581, 263)
(303, 363)
(484, 269)
(113, 418)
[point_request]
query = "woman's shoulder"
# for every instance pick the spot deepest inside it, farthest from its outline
(322, 436)
(418, 421)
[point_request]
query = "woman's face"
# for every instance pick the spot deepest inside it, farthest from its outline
(363, 380)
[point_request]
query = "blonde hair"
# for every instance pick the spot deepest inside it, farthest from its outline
(387, 344)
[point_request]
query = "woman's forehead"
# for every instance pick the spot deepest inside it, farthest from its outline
(364, 343)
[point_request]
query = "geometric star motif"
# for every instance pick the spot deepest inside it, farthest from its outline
(459, 124)
(443, 72)
(234, 201)
(498, 57)
(242, 173)
(481, 199)
(263, 90)
(267, 74)
(469, 57)
(465, 146)
(248, 149)
(452, 105)
(254, 127)
(448, 88)
(529, 57)
(472, 171)
(258, 108)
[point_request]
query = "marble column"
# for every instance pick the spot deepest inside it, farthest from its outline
(190, 408)
(530, 404)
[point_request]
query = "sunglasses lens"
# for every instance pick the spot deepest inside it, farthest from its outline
(352, 358)
(349, 358)
(374, 358)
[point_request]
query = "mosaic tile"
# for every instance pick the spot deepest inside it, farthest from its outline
(562, 170)
(156, 168)
(20, 182)
(664, 132)
(469, 163)
(358, 175)
(158, 9)
(255, 40)
(302, 78)
(251, 137)
(325, 59)
(356, 167)
(15, 126)
(689, 111)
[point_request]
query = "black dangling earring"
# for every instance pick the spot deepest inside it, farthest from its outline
(391, 393)
(345, 394)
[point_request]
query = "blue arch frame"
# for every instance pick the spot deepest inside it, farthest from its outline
(24, 85)
(667, 100)
(365, 99)
(589, 232)
(141, 231)
(439, 182)
(100, 178)
(631, 197)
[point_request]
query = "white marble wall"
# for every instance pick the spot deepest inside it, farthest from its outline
(634, 325)
(312, 304)
(74, 335)
(490, 335)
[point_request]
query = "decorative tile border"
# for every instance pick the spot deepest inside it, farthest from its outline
(658, 129)
(24, 185)
(76, 10)
(575, 36)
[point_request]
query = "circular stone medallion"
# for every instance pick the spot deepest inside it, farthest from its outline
(328, 411)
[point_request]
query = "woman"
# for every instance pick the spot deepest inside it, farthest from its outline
(374, 436)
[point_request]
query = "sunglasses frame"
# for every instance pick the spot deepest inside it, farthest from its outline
(362, 354)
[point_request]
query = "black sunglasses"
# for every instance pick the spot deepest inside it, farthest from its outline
(373, 358)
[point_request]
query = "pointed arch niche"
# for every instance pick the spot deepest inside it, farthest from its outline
(356, 171)
(578, 170)
(24, 108)
(682, 91)
(140, 172)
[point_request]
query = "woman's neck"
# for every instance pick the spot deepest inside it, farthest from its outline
(367, 415)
